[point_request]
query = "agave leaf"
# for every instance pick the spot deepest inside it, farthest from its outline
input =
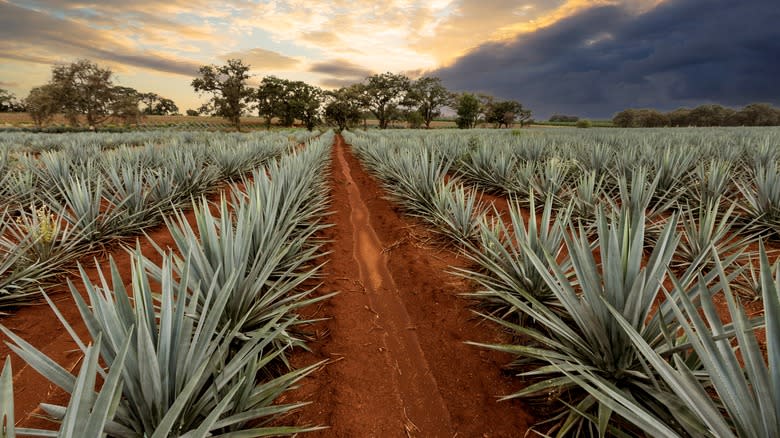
(7, 401)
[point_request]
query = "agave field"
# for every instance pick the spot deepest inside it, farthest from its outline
(619, 263)
(627, 279)
(192, 344)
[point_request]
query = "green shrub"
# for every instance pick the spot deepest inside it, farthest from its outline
(584, 123)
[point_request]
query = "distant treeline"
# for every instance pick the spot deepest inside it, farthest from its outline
(755, 114)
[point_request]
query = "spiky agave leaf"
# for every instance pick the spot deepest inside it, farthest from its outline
(705, 227)
(7, 426)
(179, 375)
(19, 277)
(761, 197)
(746, 381)
(587, 338)
(503, 257)
(488, 168)
(456, 213)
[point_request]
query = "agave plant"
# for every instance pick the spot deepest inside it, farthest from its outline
(503, 259)
(586, 340)
(712, 180)
(19, 276)
(456, 213)
(127, 186)
(489, 169)
(51, 239)
(260, 248)
(550, 178)
(180, 376)
(746, 381)
(586, 195)
(81, 206)
(224, 252)
(761, 197)
(671, 166)
(705, 227)
(19, 188)
(87, 413)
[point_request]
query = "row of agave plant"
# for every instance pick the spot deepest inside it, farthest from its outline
(196, 345)
(59, 205)
(612, 314)
(36, 143)
(726, 167)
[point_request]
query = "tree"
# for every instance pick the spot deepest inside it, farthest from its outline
(125, 103)
(228, 86)
(680, 117)
(8, 102)
(430, 96)
(758, 114)
(640, 118)
(383, 93)
(308, 101)
(625, 118)
(193, 113)
(563, 118)
(156, 105)
(504, 113)
(42, 104)
(343, 107)
(468, 109)
(650, 118)
(269, 97)
(165, 107)
(710, 115)
(83, 88)
(414, 119)
(288, 100)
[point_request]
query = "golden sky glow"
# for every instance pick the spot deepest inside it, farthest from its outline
(157, 46)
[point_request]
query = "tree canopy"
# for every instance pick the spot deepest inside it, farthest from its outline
(429, 96)
(383, 93)
(86, 89)
(468, 108)
(754, 114)
(227, 84)
(343, 107)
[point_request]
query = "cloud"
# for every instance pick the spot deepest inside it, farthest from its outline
(324, 37)
(339, 73)
(38, 37)
(259, 58)
(335, 83)
(341, 68)
(603, 59)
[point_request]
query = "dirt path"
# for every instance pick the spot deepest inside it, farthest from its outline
(396, 331)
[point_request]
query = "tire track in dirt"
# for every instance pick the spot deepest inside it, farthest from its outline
(395, 333)
(420, 401)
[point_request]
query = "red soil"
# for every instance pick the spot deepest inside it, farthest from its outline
(395, 337)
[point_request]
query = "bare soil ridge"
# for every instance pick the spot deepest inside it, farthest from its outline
(396, 331)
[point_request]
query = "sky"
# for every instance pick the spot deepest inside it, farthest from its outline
(578, 57)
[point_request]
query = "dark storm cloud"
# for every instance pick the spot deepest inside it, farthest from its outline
(34, 36)
(604, 59)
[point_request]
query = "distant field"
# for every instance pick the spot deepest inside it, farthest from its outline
(23, 120)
